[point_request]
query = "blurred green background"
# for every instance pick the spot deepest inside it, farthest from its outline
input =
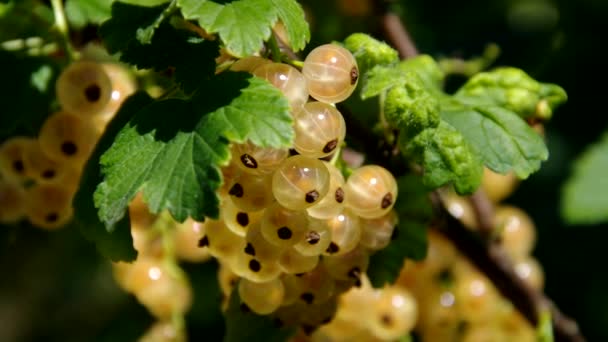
(55, 287)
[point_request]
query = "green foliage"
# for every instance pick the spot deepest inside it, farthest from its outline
(409, 240)
(192, 57)
(115, 244)
(427, 70)
(243, 325)
(585, 194)
(502, 139)
(243, 25)
(83, 12)
(28, 95)
(370, 52)
(446, 158)
(513, 89)
(172, 149)
(24, 19)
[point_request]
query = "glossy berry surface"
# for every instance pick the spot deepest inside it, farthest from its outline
(319, 128)
(331, 72)
(84, 88)
(371, 191)
(288, 79)
(300, 182)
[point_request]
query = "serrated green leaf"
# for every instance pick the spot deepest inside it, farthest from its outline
(243, 25)
(145, 3)
(427, 69)
(585, 194)
(243, 325)
(503, 140)
(172, 149)
(83, 12)
(446, 158)
(27, 98)
(410, 240)
(370, 52)
(380, 79)
(293, 18)
(116, 245)
(515, 90)
(192, 57)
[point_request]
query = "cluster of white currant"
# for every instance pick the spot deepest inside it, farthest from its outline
(457, 302)
(40, 175)
(292, 228)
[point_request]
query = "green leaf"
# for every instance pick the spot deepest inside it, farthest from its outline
(117, 244)
(445, 156)
(503, 140)
(585, 194)
(83, 12)
(427, 69)
(243, 325)
(410, 240)
(243, 25)
(380, 79)
(370, 52)
(172, 149)
(145, 3)
(26, 99)
(515, 90)
(192, 57)
(411, 107)
(24, 19)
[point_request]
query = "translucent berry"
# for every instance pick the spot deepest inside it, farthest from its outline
(67, 138)
(249, 64)
(333, 203)
(517, 231)
(221, 241)
(262, 298)
(12, 202)
(345, 233)
(331, 72)
(257, 160)
(316, 240)
(84, 88)
(293, 262)
(319, 128)
(289, 80)
(123, 86)
(283, 227)
(394, 312)
(49, 206)
(300, 182)
(251, 192)
(45, 170)
(349, 266)
(12, 158)
(376, 233)
(186, 238)
(371, 191)
(315, 286)
(237, 220)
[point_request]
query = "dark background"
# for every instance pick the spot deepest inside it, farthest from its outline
(55, 287)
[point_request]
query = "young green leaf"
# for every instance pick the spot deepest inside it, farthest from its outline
(83, 12)
(243, 25)
(370, 52)
(427, 69)
(409, 239)
(585, 194)
(515, 90)
(192, 57)
(117, 244)
(244, 325)
(172, 149)
(445, 156)
(380, 79)
(501, 138)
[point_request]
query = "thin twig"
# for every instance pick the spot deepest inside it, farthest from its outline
(484, 212)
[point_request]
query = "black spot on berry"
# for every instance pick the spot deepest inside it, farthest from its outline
(339, 195)
(92, 93)
(307, 297)
(236, 190)
(255, 265)
(284, 233)
(18, 166)
(312, 196)
(249, 249)
(386, 319)
(242, 219)
(330, 146)
(69, 148)
(249, 161)
(387, 200)
(332, 248)
(354, 75)
(51, 217)
(48, 174)
(204, 242)
(313, 237)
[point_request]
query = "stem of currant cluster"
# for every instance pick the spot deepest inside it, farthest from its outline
(63, 28)
(275, 51)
